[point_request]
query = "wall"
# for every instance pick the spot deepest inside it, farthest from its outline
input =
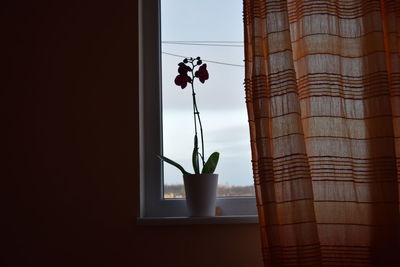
(70, 172)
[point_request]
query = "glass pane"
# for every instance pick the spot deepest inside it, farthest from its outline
(192, 28)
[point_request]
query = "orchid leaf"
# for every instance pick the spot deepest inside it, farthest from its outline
(211, 163)
(173, 163)
(195, 156)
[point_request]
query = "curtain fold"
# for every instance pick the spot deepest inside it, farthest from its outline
(322, 83)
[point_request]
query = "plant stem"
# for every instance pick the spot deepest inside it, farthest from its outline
(196, 112)
(201, 137)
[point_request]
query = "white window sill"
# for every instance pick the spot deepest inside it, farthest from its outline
(245, 219)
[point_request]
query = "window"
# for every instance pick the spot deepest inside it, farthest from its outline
(154, 200)
(220, 99)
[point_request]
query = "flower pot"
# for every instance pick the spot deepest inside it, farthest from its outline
(201, 194)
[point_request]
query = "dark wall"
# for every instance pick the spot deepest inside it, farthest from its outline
(69, 105)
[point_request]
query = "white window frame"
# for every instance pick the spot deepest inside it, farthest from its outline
(152, 203)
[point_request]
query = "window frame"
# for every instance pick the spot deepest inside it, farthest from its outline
(152, 202)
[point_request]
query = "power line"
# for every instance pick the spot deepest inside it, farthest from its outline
(203, 44)
(206, 60)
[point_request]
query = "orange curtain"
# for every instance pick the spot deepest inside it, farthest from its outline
(323, 97)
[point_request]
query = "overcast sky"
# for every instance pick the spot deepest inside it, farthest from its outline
(220, 99)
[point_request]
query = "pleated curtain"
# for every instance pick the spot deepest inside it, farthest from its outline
(322, 83)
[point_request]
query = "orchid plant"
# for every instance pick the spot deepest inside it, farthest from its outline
(189, 70)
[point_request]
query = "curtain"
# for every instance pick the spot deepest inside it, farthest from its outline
(322, 83)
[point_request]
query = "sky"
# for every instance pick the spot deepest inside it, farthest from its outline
(221, 99)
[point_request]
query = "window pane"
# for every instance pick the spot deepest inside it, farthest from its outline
(192, 28)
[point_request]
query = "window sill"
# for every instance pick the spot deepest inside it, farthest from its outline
(245, 219)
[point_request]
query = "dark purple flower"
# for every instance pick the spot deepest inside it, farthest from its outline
(202, 73)
(183, 69)
(182, 80)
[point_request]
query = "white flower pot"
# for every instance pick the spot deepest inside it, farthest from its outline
(201, 194)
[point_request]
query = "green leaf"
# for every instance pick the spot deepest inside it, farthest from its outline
(173, 163)
(211, 163)
(195, 156)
